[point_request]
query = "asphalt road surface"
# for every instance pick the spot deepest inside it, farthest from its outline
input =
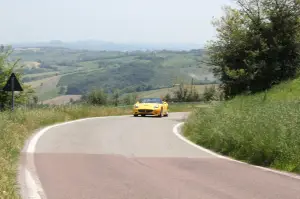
(140, 158)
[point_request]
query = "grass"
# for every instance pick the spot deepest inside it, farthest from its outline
(18, 126)
(186, 107)
(46, 88)
(45, 84)
(45, 74)
(89, 64)
(261, 129)
(48, 94)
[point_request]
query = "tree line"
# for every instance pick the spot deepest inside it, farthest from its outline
(257, 45)
(184, 93)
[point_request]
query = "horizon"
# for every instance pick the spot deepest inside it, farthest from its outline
(109, 45)
(130, 22)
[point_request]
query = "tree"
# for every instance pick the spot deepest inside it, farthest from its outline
(130, 99)
(181, 94)
(6, 68)
(257, 45)
(71, 101)
(193, 95)
(116, 97)
(97, 97)
(167, 97)
(62, 90)
(209, 93)
(35, 99)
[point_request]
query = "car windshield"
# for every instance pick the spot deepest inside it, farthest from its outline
(150, 100)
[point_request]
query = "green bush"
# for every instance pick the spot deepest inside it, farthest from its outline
(97, 97)
(209, 93)
(257, 45)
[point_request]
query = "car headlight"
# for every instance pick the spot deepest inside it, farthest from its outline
(136, 106)
(156, 106)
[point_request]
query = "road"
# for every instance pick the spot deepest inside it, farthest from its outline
(139, 158)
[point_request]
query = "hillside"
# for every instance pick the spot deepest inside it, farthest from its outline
(109, 46)
(59, 71)
(162, 92)
(262, 129)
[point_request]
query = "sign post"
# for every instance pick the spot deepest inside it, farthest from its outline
(12, 85)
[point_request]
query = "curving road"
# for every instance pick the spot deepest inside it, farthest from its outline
(138, 158)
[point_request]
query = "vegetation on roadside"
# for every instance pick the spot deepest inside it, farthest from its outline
(257, 57)
(182, 93)
(262, 129)
(7, 68)
(257, 45)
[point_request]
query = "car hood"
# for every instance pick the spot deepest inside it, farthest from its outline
(146, 105)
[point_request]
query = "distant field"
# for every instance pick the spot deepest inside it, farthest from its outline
(31, 64)
(162, 92)
(41, 74)
(45, 84)
(89, 64)
(46, 88)
(80, 71)
(63, 99)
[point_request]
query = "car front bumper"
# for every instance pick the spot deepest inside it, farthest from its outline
(138, 111)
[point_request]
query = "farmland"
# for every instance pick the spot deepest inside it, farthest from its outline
(55, 72)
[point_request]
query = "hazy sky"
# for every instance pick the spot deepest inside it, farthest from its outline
(108, 20)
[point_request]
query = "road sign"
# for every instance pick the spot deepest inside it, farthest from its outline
(12, 85)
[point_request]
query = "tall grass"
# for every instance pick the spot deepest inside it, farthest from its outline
(263, 129)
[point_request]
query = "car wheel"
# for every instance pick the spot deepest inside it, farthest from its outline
(161, 112)
(135, 115)
(167, 114)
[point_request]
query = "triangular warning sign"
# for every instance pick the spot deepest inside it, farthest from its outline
(16, 85)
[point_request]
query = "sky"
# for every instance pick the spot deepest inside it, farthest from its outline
(122, 21)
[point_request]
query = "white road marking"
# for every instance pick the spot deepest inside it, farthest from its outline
(180, 136)
(33, 186)
(36, 137)
(176, 131)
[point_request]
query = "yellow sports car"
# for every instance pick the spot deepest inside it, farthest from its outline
(150, 106)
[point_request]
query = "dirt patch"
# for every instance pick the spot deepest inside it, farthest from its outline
(62, 99)
(32, 64)
(45, 84)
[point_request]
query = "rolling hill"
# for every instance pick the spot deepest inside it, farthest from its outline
(97, 45)
(56, 71)
(163, 91)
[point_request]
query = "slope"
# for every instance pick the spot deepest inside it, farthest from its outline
(262, 129)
